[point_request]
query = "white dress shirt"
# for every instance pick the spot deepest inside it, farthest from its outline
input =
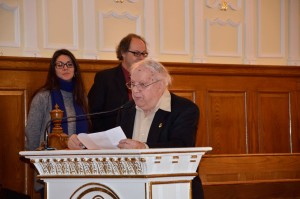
(143, 123)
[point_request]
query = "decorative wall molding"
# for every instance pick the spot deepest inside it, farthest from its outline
(281, 53)
(112, 14)
(47, 44)
(216, 4)
(186, 49)
(26, 32)
(220, 22)
(16, 13)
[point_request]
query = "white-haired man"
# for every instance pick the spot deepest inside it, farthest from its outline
(156, 118)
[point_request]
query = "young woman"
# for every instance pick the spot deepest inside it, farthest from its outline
(64, 86)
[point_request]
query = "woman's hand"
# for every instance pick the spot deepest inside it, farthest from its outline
(74, 143)
(131, 144)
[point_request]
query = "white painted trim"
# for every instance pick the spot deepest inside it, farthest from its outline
(124, 15)
(293, 62)
(186, 49)
(237, 25)
(250, 54)
(294, 32)
(89, 30)
(75, 24)
(16, 13)
(282, 33)
(31, 48)
(74, 45)
(149, 25)
(199, 37)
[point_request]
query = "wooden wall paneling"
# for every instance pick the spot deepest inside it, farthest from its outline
(189, 94)
(253, 144)
(202, 138)
(184, 85)
(12, 117)
(88, 78)
(274, 122)
(295, 135)
(251, 176)
(239, 105)
(296, 119)
(233, 168)
(239, 118)
(261, 190)
(226, 120)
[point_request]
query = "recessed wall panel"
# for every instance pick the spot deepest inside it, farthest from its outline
(111, 38)
(174, 33)
(271, 24)
(226, 121)
(228, 43)
(12, 139)
(274, 131)
(60, 24)
(9, 26)
(7, 21)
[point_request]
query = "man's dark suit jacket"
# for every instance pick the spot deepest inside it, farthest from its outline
(177, 128)
(107, 93)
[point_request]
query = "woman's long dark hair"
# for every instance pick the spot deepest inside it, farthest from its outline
(52, 82)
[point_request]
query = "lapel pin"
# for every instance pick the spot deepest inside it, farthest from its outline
(160, 125)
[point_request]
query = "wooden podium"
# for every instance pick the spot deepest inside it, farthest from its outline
(117, 174)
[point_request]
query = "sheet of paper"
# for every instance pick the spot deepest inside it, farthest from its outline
(102, 140)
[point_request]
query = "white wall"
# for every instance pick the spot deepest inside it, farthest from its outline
(250, 31)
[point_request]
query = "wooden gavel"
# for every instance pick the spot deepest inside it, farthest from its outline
(57, 139)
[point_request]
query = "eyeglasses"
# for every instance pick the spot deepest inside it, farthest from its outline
(139, 86)
(60, 65)
(138, 53)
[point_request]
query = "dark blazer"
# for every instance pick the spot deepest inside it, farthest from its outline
(177, 128)
(107, 93)
(169, 129)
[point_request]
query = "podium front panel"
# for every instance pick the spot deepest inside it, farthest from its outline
(114, 174)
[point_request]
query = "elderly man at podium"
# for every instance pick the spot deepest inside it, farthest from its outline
(156, 118)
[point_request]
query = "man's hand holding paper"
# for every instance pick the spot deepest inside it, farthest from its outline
(101, 140)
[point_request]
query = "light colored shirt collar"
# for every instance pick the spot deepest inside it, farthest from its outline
(142, 124)
(164, 102)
